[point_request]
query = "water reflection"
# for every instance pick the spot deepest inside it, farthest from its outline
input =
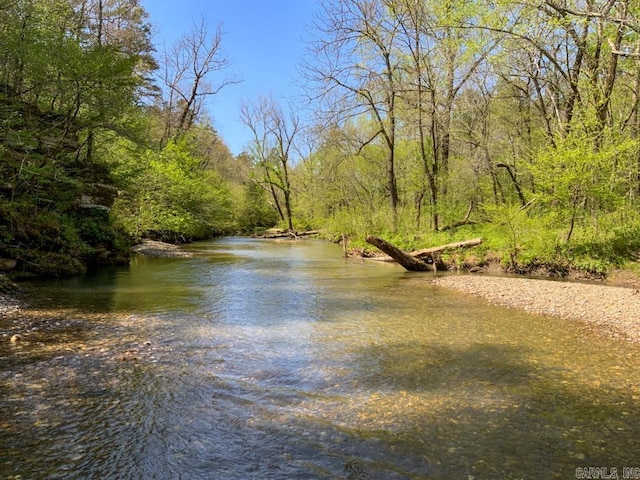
(282, 360)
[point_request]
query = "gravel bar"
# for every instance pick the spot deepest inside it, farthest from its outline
(612, 310)
(153, 248)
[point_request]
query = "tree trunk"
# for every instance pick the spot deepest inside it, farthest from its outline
(403, 258)
(419, 260)
(514, 179)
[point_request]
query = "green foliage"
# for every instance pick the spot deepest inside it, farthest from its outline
(536, 148)
(254, 211)
(612, 243)
(576, 177)
(51, 243)
(485, 134)
(170, 197)
(60, 68)
(72, 128)
(524, 240)
(64, 81)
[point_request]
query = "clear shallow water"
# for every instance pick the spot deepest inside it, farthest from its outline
(260, 359)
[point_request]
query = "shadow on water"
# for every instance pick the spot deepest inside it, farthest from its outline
(149, 284)
(489, 411)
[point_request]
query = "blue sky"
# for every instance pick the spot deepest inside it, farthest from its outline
(262, 38)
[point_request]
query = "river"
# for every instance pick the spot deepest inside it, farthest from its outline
(263, 359)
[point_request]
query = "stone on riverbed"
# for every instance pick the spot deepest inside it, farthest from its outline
(8, 263)
(8, 292)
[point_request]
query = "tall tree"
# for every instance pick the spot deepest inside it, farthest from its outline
(442, 56)
(188, 68)
(274, 146)
(357, 71)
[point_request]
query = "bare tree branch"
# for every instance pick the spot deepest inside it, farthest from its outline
(189, 66)
(274, 138)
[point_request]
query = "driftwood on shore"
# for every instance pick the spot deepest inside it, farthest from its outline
(420, 260)
(426, 252)
(287, 234)
(153, 248)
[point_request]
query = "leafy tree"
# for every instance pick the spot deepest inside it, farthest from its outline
(357, 71)
(172, 198)
(576, 178)
(254, 210)
(441, 58)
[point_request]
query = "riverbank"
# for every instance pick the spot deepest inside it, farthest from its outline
(9, 291)
(612, 310)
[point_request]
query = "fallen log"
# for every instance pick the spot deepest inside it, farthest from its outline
(288, 234)
(427, 252)
(419, 260)
(403, 258)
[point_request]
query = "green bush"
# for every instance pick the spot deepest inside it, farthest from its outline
(173, 198)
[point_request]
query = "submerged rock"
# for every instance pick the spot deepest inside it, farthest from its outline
(8, 263)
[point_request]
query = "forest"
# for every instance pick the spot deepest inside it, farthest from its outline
(430, 122)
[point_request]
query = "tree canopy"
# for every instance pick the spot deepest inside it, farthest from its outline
(516, 119)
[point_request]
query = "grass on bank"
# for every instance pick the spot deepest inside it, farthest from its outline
(519, 241)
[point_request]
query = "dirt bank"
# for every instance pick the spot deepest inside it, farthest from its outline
(611, 310)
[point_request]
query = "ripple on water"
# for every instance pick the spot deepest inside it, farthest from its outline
(289, 362)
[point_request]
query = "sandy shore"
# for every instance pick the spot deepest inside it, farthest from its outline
(612, 310)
